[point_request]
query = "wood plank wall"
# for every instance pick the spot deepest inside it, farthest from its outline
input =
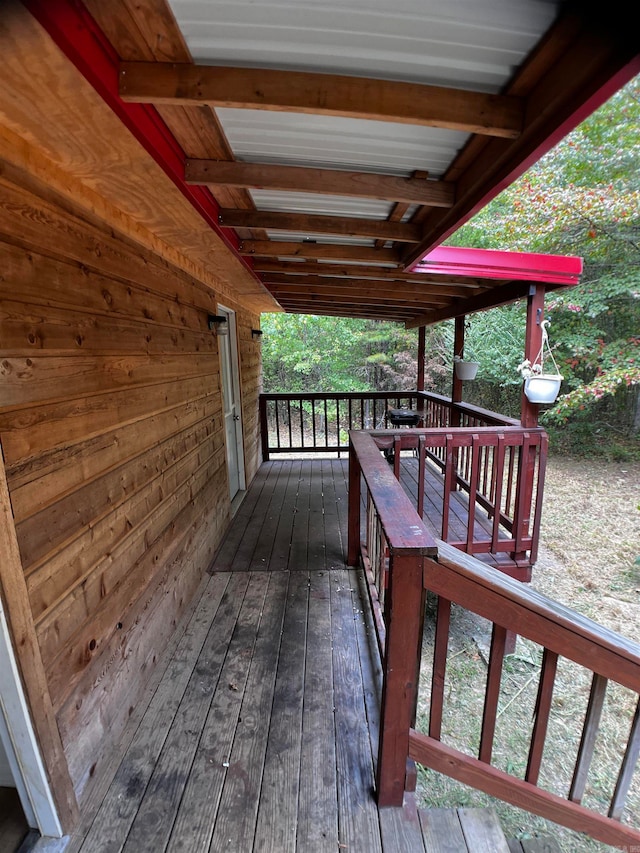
(112, 434)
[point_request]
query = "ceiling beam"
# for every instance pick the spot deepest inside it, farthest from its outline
(508, 292)
(324, 181)
(318, 224)
(360, 296)
(315, 251)
(359, 271)
(354, 309)
(392, 289)
(325, 94)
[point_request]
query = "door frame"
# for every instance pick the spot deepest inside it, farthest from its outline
(234, 360)
(20, 743)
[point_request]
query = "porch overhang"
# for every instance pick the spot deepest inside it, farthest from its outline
(331, 181)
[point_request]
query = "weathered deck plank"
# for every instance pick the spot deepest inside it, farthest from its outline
(317, 812)
(263, 734)
(277, 812)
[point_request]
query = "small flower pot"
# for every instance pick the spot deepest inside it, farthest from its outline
(466, 369)
(543, 388)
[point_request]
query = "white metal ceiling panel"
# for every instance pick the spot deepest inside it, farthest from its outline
(330, 141)
(321, 204)
(472, 43)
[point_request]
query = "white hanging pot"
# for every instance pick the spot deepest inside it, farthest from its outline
(466, 369)
(543, 388)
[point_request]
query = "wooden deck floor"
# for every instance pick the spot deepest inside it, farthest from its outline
(261, 735)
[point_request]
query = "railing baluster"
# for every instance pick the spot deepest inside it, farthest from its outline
(628, 766)
(277, 424)
(492, 692)
(396, 456)
(448, 484)
(439, 671)
(473, 488)
(313, 420)
(289, 423)
(326, 424)
(498, 464)
(588, 739)
(422, 470)
(543, 709)
(301, 423)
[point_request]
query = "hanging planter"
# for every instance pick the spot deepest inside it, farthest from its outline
(541, 387)
(465, 370)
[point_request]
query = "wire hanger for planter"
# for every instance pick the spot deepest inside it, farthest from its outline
(527, 369)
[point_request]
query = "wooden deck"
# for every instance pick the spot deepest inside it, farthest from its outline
(261, 733)
(458, 512)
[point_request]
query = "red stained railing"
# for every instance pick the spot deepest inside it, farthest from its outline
(499, 466)
(402, 564)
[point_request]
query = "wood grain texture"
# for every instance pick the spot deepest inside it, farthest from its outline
(111, 412)
(59, 119)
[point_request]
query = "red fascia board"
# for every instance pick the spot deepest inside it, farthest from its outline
(78, 36)
(606, 91)
(490, 263)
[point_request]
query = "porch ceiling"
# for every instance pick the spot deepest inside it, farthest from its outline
(341, 143)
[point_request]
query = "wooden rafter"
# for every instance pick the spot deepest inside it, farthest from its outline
(312, 250)
(293, 268)
(325, 94)
(325, 181)
(343, 226)
(391, 289)
(147, 31)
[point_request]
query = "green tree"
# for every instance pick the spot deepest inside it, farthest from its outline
(582, 198)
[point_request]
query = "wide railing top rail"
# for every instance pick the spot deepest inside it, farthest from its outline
(465, 581)
(475, 411)
(399, 577)
(402, 526)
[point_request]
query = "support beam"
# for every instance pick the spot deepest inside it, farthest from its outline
(421, 353)
(303, 179)
(533, 340)
(317, 224)
(458, 349)
(324, 94)
(364, 271)
(391, 290)
(317, 251)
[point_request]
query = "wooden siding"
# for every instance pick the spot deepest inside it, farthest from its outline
(113, 439)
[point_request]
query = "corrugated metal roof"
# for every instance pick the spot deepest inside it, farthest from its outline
(452, 43)
(316, 140)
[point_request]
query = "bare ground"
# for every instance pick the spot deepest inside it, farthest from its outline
(590, 546)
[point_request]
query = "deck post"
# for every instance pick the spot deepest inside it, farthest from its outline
(532, 342)
(528, 418)
(405, 599)
(353, 523)
(421, 353)
(264, 427)
(456, 386)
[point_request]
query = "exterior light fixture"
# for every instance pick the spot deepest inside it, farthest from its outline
(218, 323)
(256, 333)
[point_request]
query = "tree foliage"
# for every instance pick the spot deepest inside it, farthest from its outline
(582, 198)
